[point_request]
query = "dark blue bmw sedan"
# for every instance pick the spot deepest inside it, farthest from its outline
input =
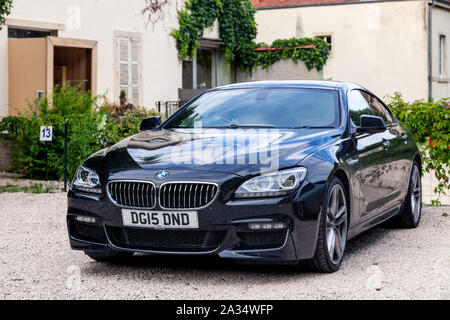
(261, 172)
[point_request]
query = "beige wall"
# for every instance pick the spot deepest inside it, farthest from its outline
(381, 46)
(441, 26)
(97, 20)
(4, 85)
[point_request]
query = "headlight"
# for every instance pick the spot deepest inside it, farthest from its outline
(87, 180)
(272, 184)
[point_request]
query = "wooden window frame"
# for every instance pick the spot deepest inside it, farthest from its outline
(34, 25)
(326, 34)
(442, 47)
(53, 42)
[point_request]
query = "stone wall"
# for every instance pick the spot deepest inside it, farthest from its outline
(429, 182)
(5, 156)
(282, 70)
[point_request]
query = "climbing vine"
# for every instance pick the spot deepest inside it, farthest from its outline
(194, 19)
(154, 10)
(237, 29)
(5, 10)
(312, 51)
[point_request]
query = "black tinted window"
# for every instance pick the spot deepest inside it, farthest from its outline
(357, 106)
(379, 110)
(271, 107)
(24, 33)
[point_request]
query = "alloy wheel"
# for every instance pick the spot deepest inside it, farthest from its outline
(336, 224)
(416, 195)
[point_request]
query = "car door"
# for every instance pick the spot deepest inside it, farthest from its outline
(397, 154)
(370, 156)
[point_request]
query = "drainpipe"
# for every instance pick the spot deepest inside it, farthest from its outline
(430, 50)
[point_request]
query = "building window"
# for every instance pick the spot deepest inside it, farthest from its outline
(129, 73)
(206, 70)
(442, 56)
(27, 33)
(328, 40)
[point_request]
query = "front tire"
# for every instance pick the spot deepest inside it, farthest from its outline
(411, 211)
(110, 256)
(332, 239)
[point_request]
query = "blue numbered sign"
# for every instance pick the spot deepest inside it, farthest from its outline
(46, 133)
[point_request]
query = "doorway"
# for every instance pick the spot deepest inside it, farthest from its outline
(37, 65)
(72, 67)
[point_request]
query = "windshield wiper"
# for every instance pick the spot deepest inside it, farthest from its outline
(313, 127)
(238, 126)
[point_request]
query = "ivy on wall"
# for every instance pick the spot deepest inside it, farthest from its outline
(237, 29)
(5, 10)
(315, 56)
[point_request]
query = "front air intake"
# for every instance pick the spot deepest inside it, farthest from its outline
(187, 195)
(136, 194)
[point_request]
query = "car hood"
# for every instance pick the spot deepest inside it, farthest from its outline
(241, 152)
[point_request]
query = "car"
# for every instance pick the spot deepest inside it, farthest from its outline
(272, 172)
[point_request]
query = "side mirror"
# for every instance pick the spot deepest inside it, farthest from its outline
(371, 124)
(150, 123)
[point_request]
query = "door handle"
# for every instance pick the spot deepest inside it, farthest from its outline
(353, 161)
(386, 144)
(405, 138)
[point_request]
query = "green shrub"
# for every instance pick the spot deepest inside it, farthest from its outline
(238, 30)
(29, 154)
(430, 123)
(122, 121)
(5, 10)
(89, 130)
(313, 57)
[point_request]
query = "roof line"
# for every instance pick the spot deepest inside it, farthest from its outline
(332, 4)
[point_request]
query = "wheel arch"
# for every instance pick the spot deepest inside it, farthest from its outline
(418, 159)
(342, 175)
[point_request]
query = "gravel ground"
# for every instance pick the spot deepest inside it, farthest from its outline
(15, 180)
(37, 263)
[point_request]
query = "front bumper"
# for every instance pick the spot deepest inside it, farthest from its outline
(223, 228)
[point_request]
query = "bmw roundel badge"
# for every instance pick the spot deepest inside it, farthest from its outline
(162, 175)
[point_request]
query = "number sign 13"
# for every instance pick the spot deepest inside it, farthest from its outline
(46, 133)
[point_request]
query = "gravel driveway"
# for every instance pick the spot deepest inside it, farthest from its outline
(37, 263)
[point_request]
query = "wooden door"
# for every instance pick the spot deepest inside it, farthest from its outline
(27, 72)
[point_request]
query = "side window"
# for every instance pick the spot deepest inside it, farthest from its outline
(378, 109)
(357, 106)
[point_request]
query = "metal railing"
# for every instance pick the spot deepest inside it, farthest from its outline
(168, 108)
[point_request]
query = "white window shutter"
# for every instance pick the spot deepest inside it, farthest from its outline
(135, 78)
(129, 69)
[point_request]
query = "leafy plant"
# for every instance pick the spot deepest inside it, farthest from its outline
(429, 122)
(123, 97)
(71, 105)
(121, 121)
(11, 188)
(35, 188)
(5, 10)
(314, 57)
(194, 19)
(237, 28)
(89, 129)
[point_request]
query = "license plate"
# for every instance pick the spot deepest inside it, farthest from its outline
(160, 219)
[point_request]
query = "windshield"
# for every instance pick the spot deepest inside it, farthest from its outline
(262, 107)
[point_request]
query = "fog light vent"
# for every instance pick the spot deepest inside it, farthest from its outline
(267, 226)
(85, 219)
